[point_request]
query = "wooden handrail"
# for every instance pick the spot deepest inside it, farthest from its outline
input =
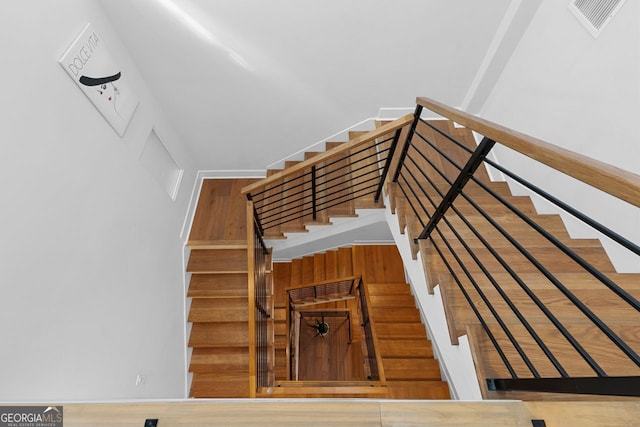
(622, 184)
(354, 143)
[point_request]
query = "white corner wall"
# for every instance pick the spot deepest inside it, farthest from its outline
(91, 281)
(565, 87)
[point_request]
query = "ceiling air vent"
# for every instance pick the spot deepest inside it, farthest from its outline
(595, 14)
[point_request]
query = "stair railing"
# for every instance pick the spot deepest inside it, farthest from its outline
(305, 191)
(323, 291)
(261, 374)
(301, 297)
(373, 361)
(514, 268)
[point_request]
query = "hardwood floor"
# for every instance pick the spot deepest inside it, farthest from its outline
(203, 413)
(221, 212)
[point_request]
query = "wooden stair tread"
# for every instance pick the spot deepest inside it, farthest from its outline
(552, 258)
(280, 314)
(218, 285)
(280, 341)
(219, 310)
(370, 257)
(400, 330)
(393, 301)
(234, 359)
(487, 365)
(217, 260)
(428, 390)
(280, 328)
(388, 289)
(213, 334)
(393, 314)
(219, 385)
(411, 369)
(536, 280)
(407, 348)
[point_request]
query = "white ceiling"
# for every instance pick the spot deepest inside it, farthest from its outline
(248, 82)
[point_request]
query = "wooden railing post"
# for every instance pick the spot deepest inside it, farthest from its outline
(251, 298)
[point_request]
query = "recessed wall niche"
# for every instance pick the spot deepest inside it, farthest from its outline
(161, 165)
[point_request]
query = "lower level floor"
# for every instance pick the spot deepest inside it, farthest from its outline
(351, 412)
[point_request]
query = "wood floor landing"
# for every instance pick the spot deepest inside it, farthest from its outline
(352, 413)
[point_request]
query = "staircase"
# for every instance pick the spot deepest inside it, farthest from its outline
(408, 362)
(517, 308)
(463, 247)
(218, 290)
(409, 370)
(343, 179)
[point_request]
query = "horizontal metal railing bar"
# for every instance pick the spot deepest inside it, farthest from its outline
(319, 206)
(352, 196)
(268, 208)
(303, 190)
(488, 304)
(569, 209)
(576, 345)
(483, 323)
(348, 156)
(356, 142)
(628, 298)
(277, 210)
(610, 179)
(442, 153)
(417, 198)
(476, 181)
(349, 197)
(449, 137)
(551, 317)
(358, 161)
(264, 217)
(350, 173)
(429, 180)
(576, 301)
(280, 184)
(501, 291)
(281, 192)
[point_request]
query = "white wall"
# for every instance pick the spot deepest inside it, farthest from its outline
(91, 288)
(276, 76)
(581, 93)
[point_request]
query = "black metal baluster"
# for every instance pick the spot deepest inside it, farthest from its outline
(313, 193)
